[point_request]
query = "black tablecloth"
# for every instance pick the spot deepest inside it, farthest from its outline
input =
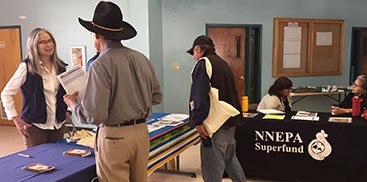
(346, 162)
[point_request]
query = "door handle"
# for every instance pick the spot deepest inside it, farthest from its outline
(238, 47)
(242, 77)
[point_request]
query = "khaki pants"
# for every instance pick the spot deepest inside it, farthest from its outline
(122, 153)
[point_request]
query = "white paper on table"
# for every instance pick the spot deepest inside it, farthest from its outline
(74, 80)
(270, 111)
(168, 122)
(154, 127)
(175, 117)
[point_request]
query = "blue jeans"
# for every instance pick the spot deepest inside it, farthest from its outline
(221, 156)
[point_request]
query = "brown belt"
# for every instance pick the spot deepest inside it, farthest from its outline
(128, 123)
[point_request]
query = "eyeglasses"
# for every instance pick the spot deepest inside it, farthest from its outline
(46, 42)
(355, 85)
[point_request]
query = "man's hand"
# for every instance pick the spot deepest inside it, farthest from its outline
(21, 126)
(202, 132)
(70, 99)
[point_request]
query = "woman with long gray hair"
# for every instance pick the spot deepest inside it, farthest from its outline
(43, 111)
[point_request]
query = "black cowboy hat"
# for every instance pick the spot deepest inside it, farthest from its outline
(108, 22)
(201, 40)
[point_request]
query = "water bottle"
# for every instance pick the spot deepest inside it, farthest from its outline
(244, 103)
(365, 113)
(356, 106)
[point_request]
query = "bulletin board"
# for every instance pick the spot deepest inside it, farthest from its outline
(307, 47)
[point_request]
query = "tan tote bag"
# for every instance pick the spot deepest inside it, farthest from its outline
(219, 111)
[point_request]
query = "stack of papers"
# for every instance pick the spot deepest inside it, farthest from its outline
(77, 152)
(38, 168)
(340, 119)
(168, 120)
(304, 115)
(175, 117)
(249, 115)
(153, 127)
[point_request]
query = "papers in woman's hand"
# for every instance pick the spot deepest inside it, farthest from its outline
(74, 80)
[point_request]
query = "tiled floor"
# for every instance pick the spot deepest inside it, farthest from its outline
(11, 141)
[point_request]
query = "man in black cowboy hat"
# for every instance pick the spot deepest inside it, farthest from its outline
(120, 91)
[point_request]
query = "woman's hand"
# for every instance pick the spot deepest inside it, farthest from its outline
(21, 126)
(67, 114)
(339, 111)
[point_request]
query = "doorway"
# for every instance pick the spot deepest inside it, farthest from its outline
(239, 46)
(10, 58)
(358, 64)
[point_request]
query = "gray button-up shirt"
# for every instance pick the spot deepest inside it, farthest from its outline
(121, 86)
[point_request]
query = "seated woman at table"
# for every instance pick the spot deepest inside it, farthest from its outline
(278, 96)
(359, 89)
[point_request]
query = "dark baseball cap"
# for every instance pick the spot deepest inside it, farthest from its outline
(201, 40)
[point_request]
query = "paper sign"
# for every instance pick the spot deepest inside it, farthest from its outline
(291, 61)
(292, 33)
(324, 38)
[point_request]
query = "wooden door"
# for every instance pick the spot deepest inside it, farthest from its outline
(363, 60)
(230, 45)
(10, 57)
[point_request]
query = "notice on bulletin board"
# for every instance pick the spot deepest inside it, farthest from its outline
(324, 38)
(292, 33)
(291, 61)
(292, 47)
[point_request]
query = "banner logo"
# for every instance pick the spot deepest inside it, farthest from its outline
(319, 148)
(278, 141)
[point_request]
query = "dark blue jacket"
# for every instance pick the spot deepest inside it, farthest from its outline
(222, 79)
(34, 103)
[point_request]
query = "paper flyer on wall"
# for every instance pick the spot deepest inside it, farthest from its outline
(74, 80)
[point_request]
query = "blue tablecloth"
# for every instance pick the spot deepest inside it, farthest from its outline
(166, 143)
(67, 168)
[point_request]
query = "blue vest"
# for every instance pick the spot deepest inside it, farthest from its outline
(34, 103)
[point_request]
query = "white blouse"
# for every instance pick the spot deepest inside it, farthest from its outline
(273, 102)
(50, 85)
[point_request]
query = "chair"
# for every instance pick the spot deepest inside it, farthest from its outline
(253, 106)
